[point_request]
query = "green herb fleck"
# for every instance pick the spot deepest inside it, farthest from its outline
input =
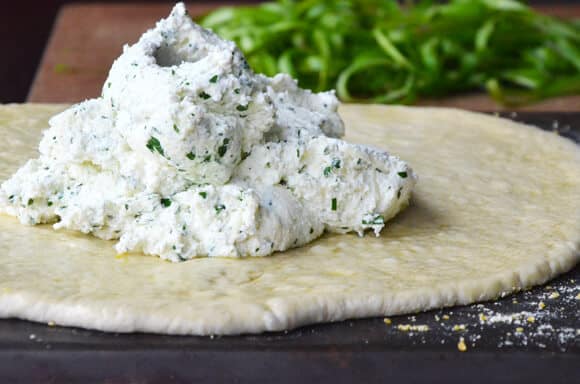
(311, 231)
(402, 174)
(207, 159)
(399, 193)
(213, 79)
(154, 145)
(190, 155)
(237, 91)
(175, 128)
(328, 170)
(204, 95)
(375, 220)
(268, 165)
(203, 194)
(219, 208)
(165, 202)
(222, 149)
(242, 108)
(245, 155)
(30, 201)
(333, 204)
(49, 203)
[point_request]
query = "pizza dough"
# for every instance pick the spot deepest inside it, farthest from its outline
(496, 209)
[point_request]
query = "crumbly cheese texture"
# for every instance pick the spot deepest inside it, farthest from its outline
(189, 153)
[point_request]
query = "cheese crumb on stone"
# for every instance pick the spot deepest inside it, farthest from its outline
(189, 153)
(461, 346)
(413, 327)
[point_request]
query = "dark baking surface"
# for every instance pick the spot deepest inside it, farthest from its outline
(528, 336)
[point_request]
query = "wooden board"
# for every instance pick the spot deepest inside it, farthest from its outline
(87, 38)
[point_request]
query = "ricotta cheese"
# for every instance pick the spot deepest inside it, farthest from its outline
(188, 153)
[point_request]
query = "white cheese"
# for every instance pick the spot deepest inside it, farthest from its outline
(189, 153)
(350, 187)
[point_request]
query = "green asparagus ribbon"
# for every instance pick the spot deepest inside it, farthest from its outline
(379, 51)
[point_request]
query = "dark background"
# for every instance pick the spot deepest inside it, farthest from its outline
(24, 30)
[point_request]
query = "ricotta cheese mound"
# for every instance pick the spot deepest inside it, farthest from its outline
(189, 153)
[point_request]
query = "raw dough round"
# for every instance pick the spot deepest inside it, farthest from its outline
(496, 209)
